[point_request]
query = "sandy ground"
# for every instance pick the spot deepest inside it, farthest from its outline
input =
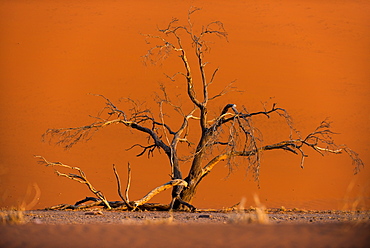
(201, 229)
(201, 216)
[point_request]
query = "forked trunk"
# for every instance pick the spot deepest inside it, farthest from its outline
(187, 195)
(195, 174)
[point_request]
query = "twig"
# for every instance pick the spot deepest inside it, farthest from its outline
(128, 181)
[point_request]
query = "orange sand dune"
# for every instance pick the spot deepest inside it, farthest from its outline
(310, 57)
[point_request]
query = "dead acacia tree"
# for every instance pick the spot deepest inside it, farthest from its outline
(224, 136)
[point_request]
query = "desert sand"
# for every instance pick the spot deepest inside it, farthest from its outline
(310, 57)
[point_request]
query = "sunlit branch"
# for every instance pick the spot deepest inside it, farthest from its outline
(124, 199)
(79, 178)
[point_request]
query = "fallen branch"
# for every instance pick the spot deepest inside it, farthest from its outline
(79, 178)
(101, 200)
(159, 189)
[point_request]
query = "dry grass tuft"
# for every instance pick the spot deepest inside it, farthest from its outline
(282, 209)
(13, 216)
(160, 221)
(254, 215)
(145, 220)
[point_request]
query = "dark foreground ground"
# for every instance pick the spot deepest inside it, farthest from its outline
(201, 229)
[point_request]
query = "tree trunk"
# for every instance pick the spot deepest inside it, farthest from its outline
(195, 174)
(188, 193)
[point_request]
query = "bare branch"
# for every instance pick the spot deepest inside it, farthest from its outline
(128, 181)
(150, 149)
(113, 109)
(212, 77)
(159, 189)
(322, 135)
(68, 137)
(125, 200)
(79, 178)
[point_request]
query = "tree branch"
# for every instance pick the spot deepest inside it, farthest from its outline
(125, 200)
(79, 178)
(159, 189)
(320, 135)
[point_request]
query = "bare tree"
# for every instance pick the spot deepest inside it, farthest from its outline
(224, 136)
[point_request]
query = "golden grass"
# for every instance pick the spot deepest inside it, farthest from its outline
(252, 215)
(12, 216)
(15, 215)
